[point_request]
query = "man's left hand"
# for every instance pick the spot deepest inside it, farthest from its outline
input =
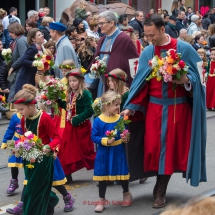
(184, 80)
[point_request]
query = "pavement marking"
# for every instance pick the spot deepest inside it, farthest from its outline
(3, 209)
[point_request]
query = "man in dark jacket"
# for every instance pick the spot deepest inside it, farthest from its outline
(180, 18)
(170, 27)
(137, 22)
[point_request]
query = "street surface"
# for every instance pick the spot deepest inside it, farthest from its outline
(86, 192)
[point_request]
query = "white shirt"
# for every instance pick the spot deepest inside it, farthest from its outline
(92, 34)
(5, 21)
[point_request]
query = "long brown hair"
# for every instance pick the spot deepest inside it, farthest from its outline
(84, 49)
(174, 5)
(120, 86)
(81, 86)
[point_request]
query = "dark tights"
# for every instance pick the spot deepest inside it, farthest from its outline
(14, 172)
(62, 190)
(103, 185)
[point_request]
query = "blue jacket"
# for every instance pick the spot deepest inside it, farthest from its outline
(196, 167)
(27, 72)
(13, 131)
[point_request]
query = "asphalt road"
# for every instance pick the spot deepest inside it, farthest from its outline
(86, 192)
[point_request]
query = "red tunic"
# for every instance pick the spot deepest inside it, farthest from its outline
(77, 148)
(167, 129)
(210, 87)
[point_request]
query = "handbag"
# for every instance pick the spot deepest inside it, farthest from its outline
(12, 77)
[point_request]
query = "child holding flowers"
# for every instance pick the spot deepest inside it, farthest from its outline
(77, 149)
(110, 163)
(38, 197)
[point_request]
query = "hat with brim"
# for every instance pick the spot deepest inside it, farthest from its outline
(57, 26)
(173, 18)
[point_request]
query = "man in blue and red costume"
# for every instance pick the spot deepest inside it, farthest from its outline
(175, 121)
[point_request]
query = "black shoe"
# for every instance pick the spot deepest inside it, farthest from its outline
(69, 178)
(3, 110)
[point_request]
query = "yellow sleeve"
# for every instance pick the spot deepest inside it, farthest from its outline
(104, 141)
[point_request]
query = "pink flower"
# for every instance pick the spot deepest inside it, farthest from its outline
(48, 102)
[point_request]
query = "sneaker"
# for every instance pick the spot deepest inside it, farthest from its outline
(69, 201)
(17, 210)
(13, 186)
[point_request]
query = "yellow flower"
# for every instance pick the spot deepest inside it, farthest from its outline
(35, 138)
(83, 70)
(30, 166)
(159, 78)
(3, 98)
(48, 61)
(160, 62)
(154, 74)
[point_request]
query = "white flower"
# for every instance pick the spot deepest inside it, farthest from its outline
(9, 51)
(4, 52)
(27, 133)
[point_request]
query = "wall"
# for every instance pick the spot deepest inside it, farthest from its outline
(61, 5)
(167, 4)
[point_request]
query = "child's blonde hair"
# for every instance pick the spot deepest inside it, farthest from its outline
(120, 85)
(81, 86)
(82, 3)
(108, 98)
(202, 51)
(27, 92)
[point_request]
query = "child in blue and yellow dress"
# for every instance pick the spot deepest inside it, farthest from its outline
(110, 163)
(13, 132)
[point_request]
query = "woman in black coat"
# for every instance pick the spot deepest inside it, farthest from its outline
(27, 74)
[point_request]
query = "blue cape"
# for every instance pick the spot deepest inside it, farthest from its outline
(196, 167)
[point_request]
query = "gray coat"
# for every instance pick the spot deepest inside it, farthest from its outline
(20, 48)
(65, 51)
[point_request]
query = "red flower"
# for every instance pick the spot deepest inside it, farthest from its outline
(48, 57)
(150, 63)
(174, 71)
(44, 97)
(46, 64)
(181, 64)
(38, 55)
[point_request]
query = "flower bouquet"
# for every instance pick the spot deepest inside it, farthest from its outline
(43, 62)
(111, 134)
(98, 68)
(168, 68)
(97, 106)
(50, 92)
(3, 101)
(29, 147)
(7, 54)
(121, 124)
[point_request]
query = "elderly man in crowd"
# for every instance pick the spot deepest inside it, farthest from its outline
(33, 16)
(112, 45)
(180, 18)
(64, 47)
(182, 34)
(195, 19)
(137, 23)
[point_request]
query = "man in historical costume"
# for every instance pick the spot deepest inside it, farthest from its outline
(115, 48)
(64, 47)
(175, 120)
